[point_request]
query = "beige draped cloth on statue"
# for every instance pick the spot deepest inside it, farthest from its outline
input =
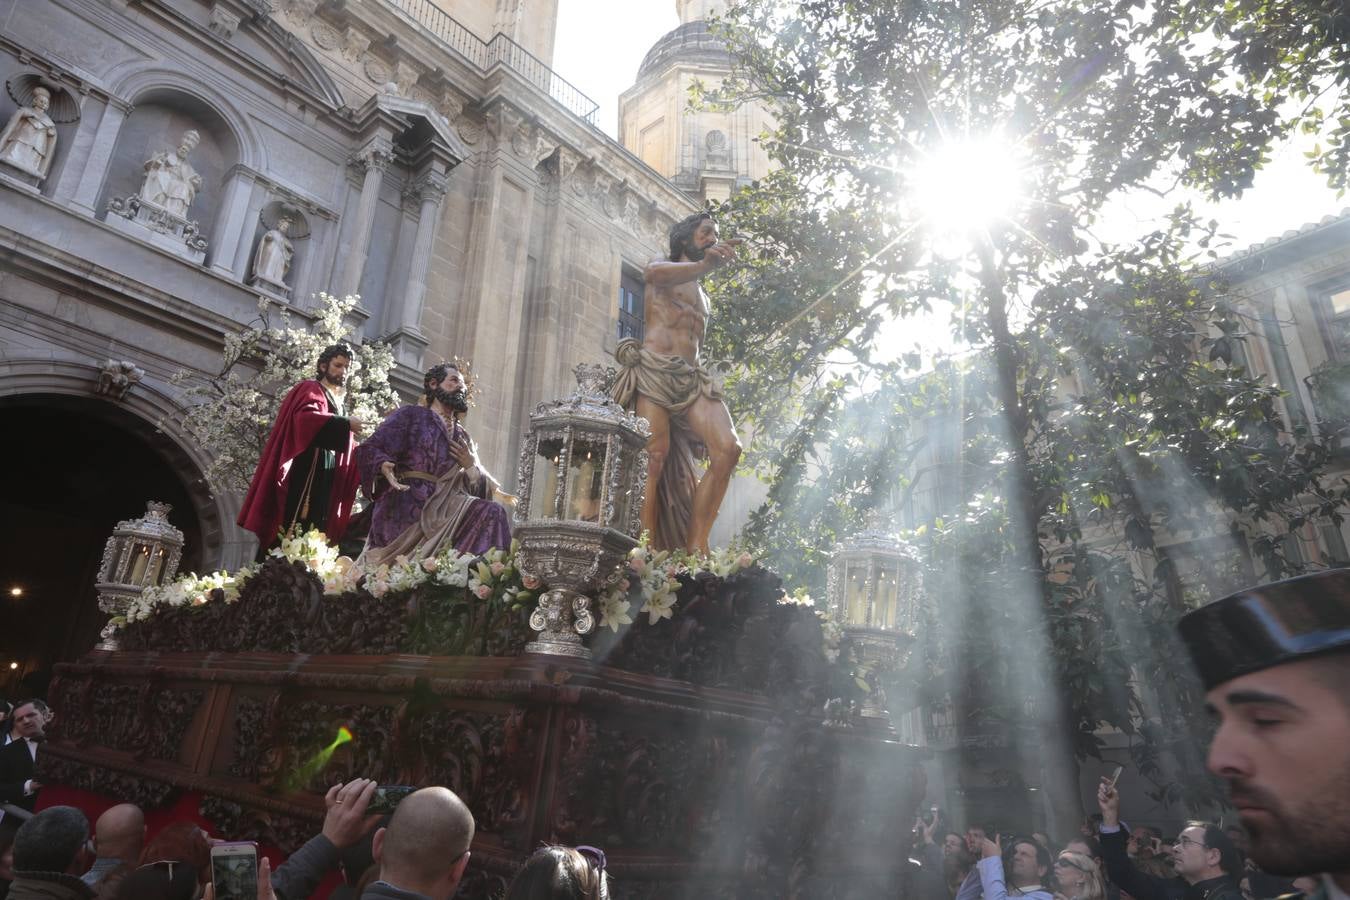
(674, 384)
(435, 528)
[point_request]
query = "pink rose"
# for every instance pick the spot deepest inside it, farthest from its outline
(745, 560)
(430, 564)
(483, 591)
(497, 568)
(638, 564)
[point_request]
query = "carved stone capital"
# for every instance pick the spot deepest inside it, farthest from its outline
(354, 43)
(223, 23)
(404, 75)
(301, 10)
(504, 122)
(377, 154)
(448, 103)
(568, 160)
(431, 186)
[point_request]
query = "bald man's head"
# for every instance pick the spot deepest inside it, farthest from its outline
(120, 832)
(426, 844)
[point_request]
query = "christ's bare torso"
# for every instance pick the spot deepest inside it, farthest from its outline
(677, 319)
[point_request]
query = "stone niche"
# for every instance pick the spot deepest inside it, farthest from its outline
(65, 134)
(156, 124)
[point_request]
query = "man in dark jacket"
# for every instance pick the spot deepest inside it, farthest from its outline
(18, 759)
(344, 825)
(1208, 865)
(1275, 661)
(48, 855)
(425, 849)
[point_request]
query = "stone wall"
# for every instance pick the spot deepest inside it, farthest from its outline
(477, 215)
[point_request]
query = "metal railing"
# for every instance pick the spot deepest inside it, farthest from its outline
(501, 50)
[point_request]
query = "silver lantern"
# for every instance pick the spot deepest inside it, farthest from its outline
(142, 553)
(583, 471)
(874, 586)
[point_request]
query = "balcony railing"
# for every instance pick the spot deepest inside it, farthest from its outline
(501, 50)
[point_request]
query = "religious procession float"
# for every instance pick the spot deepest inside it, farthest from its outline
(717, 737)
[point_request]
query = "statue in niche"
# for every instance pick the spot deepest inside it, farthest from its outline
(275, 252)
(170, 181)
(28, 142)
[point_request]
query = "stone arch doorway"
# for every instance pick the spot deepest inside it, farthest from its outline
(75, 466)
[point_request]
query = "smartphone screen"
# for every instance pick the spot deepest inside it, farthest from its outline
(234, 871)
(388, 796)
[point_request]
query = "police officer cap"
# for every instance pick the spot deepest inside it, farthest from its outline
(1269, 625)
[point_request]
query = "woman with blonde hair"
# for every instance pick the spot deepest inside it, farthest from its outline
(1078, 878)
(562, 873)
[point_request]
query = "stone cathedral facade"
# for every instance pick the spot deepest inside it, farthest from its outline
(422, 154)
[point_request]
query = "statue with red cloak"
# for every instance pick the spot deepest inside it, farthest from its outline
(307, 476)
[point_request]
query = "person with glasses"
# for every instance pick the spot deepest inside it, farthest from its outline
(1275, 661)
(1077, 877)
(562, 873)
(1208, 865)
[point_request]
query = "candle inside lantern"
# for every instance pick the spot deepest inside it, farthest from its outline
(884, 612)
(156, 566)
(140, 558)
(855, 594)
(585, 482)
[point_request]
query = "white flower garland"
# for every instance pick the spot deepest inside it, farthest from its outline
(494, 574)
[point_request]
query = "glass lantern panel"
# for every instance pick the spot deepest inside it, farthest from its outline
(110, 573)
(140, 562)
(156, 566)
(855, 593)
(585, 481)
(885, 613)
(544, 485)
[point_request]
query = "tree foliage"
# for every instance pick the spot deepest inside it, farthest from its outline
(1103, 411)
(231, 413)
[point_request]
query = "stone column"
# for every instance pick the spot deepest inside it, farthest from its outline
(232, 225)
(95, 169)
(374, 158)
(431, 190)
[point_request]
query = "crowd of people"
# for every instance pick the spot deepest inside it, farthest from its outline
(418, 852)
(1106, 861)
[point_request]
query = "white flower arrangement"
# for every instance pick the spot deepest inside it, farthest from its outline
(191, 588)
(494, 574)
(614, 610)
(313, 550)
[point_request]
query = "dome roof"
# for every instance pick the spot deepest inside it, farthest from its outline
(692, 42)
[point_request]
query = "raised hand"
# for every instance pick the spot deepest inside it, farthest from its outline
(1108, 801)
(346, 821)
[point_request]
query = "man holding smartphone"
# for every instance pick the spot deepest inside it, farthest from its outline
(1275, 661)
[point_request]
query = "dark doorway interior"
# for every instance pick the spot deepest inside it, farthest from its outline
(73, 468)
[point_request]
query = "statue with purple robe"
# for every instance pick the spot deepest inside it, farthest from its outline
(421, 469)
